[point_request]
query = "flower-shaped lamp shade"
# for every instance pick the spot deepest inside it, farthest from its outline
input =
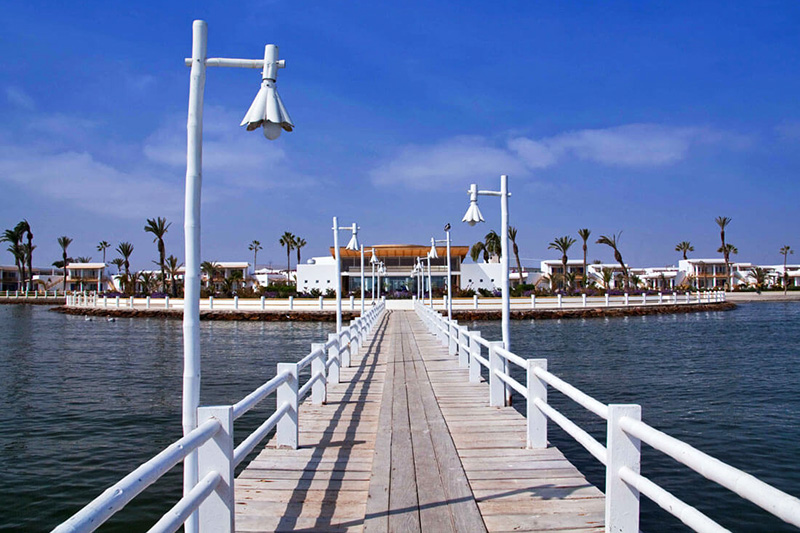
(473, 215)
(267, 110)
(373, 260)
(353, 244)
(433, 254)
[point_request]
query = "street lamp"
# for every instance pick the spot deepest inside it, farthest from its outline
(194, 163)
(472, 217)
(362, 280)
(449, 271)
(430, 285)
(352, 245)
(373, 261)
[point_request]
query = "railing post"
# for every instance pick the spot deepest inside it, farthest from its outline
(321, 304)
(286, 433)
(130, 302)
(583, 298)
(211, 303)
(660, 297)
(627, 299)
(344, 348)
(263, 302)
(497, 389)
(352, 302)
(105, 301)
(463, 353)
(291, 303)
(216, 455)
(537, 420)
(452, 334)
(318, 389)
(560, 301)
(474, 364)
(475, 302)
(533, 301)
(333, 353)
(236, 302)
(608, 300)
(622, 500)
(166, 302)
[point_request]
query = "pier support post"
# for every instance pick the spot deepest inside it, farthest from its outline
(318, 389)
(537, 390)
(474, 364)
(463, 353)
(622, 500)
(497, 389)
(287, 431)
(216, 455)
(333, 353)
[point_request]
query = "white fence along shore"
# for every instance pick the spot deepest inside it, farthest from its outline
(625, 434)
(213, 496)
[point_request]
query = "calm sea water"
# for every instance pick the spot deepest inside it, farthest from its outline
(84, 403)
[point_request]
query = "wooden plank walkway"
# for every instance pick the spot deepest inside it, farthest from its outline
(405, 443)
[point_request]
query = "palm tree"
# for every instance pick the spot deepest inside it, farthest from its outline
(125, 249)
(64, 243)
(288, 240)
(232, 282)
(210, 269)
(24, 228)
(477, 249)
(726, 251)
(254, 247)
(584, 235)
(759, 276)
(14, 237)
(785, 251)
(119, 263)
(613, 242)
(723, 222)
(147, 281)
(608, 277)
(83, 259)
(102, 246)
(299, 243)
(684, 247)
(562, 244)
(173, 269)
(493, 244)
(512, 236)
(158, 227)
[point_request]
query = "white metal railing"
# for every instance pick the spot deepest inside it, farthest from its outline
(625, 432)
(31, 295)
(213, 496)
(534, 302)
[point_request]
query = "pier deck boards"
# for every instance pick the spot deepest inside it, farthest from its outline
(405, 443)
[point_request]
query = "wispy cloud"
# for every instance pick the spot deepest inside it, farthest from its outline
(464, 158)
(19, 98)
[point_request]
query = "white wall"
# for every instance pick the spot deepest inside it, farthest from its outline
(481, 276)
(319, 275)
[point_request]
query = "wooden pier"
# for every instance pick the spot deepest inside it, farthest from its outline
(405, 443)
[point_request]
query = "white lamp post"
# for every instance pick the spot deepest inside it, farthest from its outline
(433, 254)
(472, 217)
(373, 261)
(273, 119)
(430, 285)
(352, 245)
(362, 280)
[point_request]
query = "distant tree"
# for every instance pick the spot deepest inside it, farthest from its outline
(299, 243)
(119, 263)
(24, 229)
(173, 269)
(493, 243)
(512, 236)
(723, 222)
(64, 243)
(759, 276)
(254, 247)
(478, 249)
(562, 244)
(684, 247)
(785, 251)
(726, 251)
(288, 240)
(584, 235)
(211, 270)
(83, 259)
(147, 281)
(158, 227)
(14, 238)
(102, 246)
(608, 277)
(125, 249)
(613, 242)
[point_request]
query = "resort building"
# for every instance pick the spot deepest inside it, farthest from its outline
(267, 276)
(87, 277)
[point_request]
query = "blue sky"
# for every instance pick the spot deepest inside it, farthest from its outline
(646, 118)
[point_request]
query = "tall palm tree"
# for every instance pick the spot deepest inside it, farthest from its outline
(723, 222)
(584, 234)
(210, 269)
(23, 228)
(759, 276)
(158, 227)
(684, 247)
(613, 242)
(83, 259)
(478, 249)
(563, 244)
(147, 280)
(125, 249)
(64, 243)
(299, 243)
(726, 250)
(288, 240)
(173, 269)
(14, 238)
(119, 263)
(512, 236)
(608, 276)
(254, 247)
(102, 246)
(785, 251)
(493, 243)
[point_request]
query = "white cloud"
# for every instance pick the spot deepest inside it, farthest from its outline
(465, 159)
(19, 98)
(456, 160)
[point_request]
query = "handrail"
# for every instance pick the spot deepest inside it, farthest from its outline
(513, 383)
(775, 501)
(511, 357)
(319, 376)
(305, 361)
(255, 397)
(252, 440)
(584, 439)
(177, 515)
(118, 495)
(573, 393)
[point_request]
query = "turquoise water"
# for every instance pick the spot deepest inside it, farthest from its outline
(84, 403)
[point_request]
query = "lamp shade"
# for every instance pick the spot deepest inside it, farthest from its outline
(473, 215)
(373, 260)
(267, 110)
(433, 254)
(353, 244)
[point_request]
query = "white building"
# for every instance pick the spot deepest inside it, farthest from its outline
(87, 277)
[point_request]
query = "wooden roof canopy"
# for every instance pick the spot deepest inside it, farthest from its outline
(403, 250)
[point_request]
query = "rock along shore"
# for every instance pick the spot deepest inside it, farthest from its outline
(330, 316)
